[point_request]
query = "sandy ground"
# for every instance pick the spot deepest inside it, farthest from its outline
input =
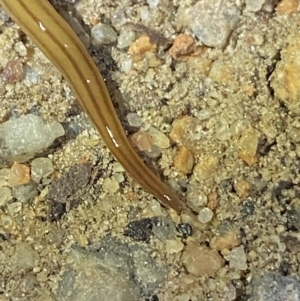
(224, 131)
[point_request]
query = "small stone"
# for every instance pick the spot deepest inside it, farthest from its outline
(159, 138)
(126, 38)
(12, 72)
(242, 188)
(185, 229)
(237, 258)
(154, 152)
(22, 137)
(183, 46)
(110, 186)
(15, 207)
(205, 215)
(24, 193)
(273, 287)
(285, 77)
(141, 141)
(248, 144)
(211, 21)
(42, 276)
(20, 174)
(5, 195)
(201, 261)
(213, 200)
(103, 34)
(174, 246)
(228, 241)
(196, 199)
(206, 167)
(76, 178)
(41, 168)
(184, 161)
(25, 257)
(287, 7)
(134, 120)
(142, 45)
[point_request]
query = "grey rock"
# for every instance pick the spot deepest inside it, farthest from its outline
(86, 278)
(212, 21)
(111, 270)
(275, 288)
(21, 138)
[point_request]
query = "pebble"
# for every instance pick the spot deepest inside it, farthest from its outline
(19, 174)
(41, 168)
(103, 34)
(201, 261)
(139, 47)
(184, 161)
(5, 195)
(24, 193)
(42, 276)
(247, 145)
(196, 200)
(237, 259)
(242, 188)
(212, 21)
(205, 215)
(283, 81)
(159, 138)
(275, 287)
(87, 277)
(227, 241)
(134, 119)
(126, 38)
(287, 7)
(110, 186)
(142, 141)
(206, 167)
(174, 246)
(22, 137)
(12, 72)
(182, 48)
(14, 207)
(77, 177)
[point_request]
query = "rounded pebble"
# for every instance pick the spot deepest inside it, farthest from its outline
(205, 215)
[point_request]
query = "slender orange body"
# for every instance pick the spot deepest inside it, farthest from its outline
(54, 37)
